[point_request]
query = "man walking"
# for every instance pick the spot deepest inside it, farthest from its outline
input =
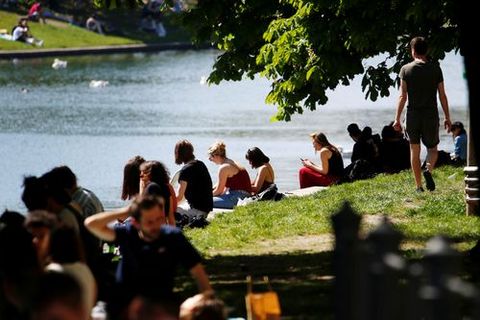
(420, 80)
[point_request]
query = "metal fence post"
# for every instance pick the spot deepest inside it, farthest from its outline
(472, 190)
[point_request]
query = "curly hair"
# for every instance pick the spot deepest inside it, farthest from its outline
(157, 171)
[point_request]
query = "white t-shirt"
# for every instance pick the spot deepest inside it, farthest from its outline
(18, 32)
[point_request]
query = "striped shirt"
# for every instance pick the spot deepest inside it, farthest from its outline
(88, 201)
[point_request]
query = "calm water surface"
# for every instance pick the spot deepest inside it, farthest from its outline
(50, 117)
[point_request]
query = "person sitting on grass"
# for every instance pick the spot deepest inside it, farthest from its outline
(21, 32)
(155, 180)
(195, 182)
(265, 176)
(94, 24)
(131, 178)
(233, 180)
(35, 13)
(331, 168)
(459, 155)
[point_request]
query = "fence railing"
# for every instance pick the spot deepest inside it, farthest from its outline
(374, 282)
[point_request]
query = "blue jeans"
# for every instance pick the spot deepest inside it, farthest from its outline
(229, 199)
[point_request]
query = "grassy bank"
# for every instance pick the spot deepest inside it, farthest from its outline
(57, 34)
(291, 242)
(257, 227)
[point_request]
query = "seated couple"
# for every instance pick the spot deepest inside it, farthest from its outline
(233, 179)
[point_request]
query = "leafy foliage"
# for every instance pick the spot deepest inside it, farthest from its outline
(306, 47)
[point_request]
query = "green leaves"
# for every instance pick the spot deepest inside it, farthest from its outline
(306, 47)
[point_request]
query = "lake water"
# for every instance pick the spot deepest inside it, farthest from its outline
(51, 117)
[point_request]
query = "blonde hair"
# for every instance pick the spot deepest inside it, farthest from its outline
(218, 149)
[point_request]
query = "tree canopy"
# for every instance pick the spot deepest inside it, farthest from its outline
(306, 47)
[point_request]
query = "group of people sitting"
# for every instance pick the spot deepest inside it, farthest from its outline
(195, 183)
(57, 257)
(21, 31)
(52, 265)
(371, 155)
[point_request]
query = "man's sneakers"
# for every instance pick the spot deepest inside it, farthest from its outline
(429, 183)
(419, 190)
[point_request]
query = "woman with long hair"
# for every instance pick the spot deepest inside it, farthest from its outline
(131, 178)
(265, 174)
(155, 180)
(330, 169)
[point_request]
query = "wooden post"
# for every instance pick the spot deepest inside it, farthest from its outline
(414, 307)
(346, 224)
(383, 293)
(441, 267)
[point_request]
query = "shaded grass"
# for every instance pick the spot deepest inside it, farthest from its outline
(301, 280)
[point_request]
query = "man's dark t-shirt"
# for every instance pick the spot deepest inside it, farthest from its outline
(150, 267)
(199, 185)
(422, 80)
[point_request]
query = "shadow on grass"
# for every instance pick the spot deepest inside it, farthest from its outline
(302, 280)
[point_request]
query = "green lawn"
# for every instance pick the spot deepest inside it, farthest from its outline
(63, 35)
(291, 242)
(255, 228)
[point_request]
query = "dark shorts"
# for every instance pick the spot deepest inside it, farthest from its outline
(423, 126)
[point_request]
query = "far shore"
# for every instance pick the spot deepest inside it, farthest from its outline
(130, 48)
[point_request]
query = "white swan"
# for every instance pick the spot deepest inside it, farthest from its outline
(59, 64)
(98, 84)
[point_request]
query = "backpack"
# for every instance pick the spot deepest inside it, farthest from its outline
(271, 193)
(360, 170)
(267, 194)
(184, 221)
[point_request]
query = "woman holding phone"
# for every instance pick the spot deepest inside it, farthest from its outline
(330, 169)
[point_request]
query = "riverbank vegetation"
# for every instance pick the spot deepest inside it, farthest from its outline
(291, 240)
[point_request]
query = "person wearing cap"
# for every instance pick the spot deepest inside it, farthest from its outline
(459, 155)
